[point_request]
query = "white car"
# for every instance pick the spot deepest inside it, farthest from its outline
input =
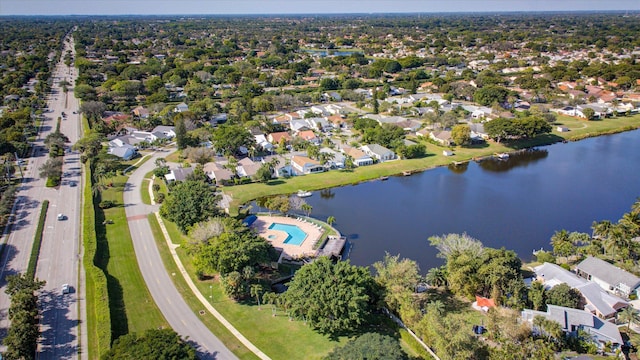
(61, 216)
(66, 289)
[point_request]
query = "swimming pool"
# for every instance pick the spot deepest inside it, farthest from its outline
(295, 235)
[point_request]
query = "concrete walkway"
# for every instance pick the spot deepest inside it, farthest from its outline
(172, 248)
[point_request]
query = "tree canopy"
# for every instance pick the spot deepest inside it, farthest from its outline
(190, 202)
(334, 298)
(152, 344)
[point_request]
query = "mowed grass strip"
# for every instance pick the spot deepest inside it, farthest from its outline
(132, 307)
(276, 336)
(181, 285)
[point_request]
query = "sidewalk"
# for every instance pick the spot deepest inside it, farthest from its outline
(172, 248)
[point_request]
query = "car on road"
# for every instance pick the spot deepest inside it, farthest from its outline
(62, 216)
(66, 289)
(72, 183)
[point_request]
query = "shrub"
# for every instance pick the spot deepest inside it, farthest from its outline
(107, 204)
(156, 187)
(159, 198)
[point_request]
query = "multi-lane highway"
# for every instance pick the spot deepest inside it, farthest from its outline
(59, 256)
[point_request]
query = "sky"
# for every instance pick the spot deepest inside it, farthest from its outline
(182, 7)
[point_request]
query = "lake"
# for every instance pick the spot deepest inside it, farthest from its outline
(516, 203)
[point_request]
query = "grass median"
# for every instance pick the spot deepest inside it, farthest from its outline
(131, 305)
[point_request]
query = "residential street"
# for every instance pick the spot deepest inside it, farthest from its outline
(181, 318)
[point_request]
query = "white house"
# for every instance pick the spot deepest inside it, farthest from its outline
(125, 151)
(359, 156)
(306, 165)
(379, 152)
(608, 276)
(182, 107)
(572, 320)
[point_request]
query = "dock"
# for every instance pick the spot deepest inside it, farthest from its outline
(333, 246)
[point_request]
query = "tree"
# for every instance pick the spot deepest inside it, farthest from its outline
(92, 109)
(333, 298)
(270, 298)
(256, 291)
(562, 245)
(233, 250)
(490, 94)
(233, 285)
(181, 134)
(152, 344)
(228, 139)
(22, 337)
(451, 244)
(629, 315)
(52, 168)
(537, 296)
(331, 220)
(306, 208)
(398, 278)
(90, 145)
(190, 202)
(589, 113)
(370, 346)
(563, 295)
(461, 135)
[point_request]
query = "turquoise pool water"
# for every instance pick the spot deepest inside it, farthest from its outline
(295, 235)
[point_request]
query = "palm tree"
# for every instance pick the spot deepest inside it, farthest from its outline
(270, 298)
(602, 229)
(256, 290)
(306, 208)
(629, 315)
(331, 220)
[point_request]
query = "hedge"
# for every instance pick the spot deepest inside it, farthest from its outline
(99, 321)
(37, 241)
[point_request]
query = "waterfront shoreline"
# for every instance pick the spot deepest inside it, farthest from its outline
(243, 194)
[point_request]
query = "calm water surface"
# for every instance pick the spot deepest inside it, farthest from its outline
(518, 203)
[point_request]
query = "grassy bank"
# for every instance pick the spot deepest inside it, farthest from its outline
(578, 129)
(131, 305)
(96, 292)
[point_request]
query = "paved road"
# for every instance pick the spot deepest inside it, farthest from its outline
(175, 309)
(59, 262)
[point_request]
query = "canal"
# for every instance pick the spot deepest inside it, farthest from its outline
(516, 203)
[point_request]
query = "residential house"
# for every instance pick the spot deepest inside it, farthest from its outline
(300, 125)
(305, 165)
(360, 158)
(598, 301)
(331, 96)
(164, 132)
(409, 125)
(381, 119)
(125, 151)
(218, 173)
(441, 136)
(178, 174)
(337, 158)
(141, 112)
(478, 133)
(572, 320)
(182, 107)
(276, 137)
(309, 136)
(247, 167)
(337, 121)
(261, 140)
(378, 152)
(608, 276)
(321, 124)
(600, 111)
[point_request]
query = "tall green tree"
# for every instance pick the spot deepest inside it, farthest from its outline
(398, 277)
(181, 134)
(152, 344)
(333, 298)
(190, 202)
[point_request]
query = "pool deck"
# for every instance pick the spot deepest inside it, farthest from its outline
(277, 237)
